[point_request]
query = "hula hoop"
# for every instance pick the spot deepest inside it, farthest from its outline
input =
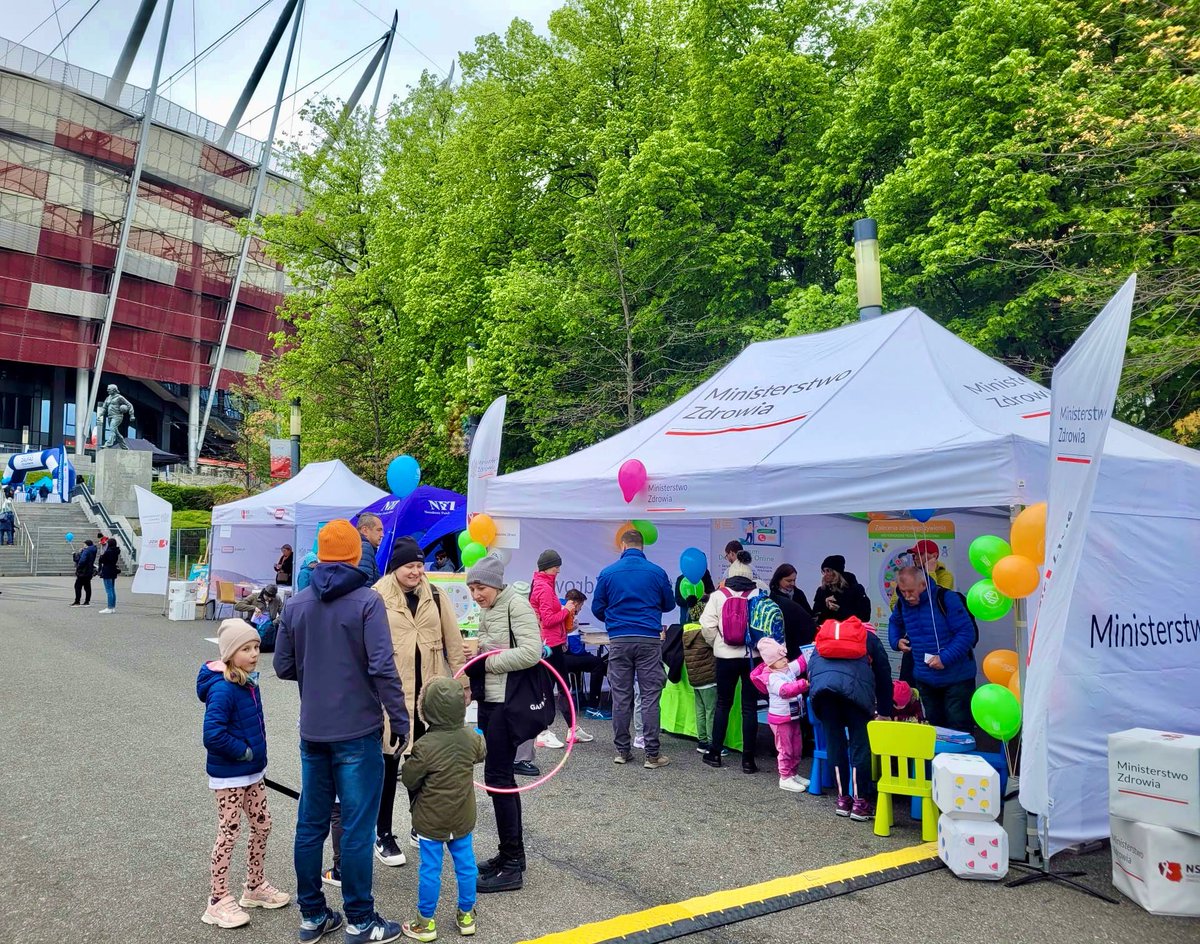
(563, 687)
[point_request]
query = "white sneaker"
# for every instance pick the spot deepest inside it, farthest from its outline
(639, 742)
(106, 610)
(550, 740)
(803, 781)
(790, 784)
(582, 736)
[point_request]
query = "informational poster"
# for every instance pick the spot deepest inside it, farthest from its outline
(891, 543)
(465, 609)
(762, 537)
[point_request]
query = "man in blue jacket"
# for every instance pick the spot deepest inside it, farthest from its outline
(940, 635)
(631, 597)
(335, 642)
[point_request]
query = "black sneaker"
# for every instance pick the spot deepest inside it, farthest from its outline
(490, 867)
(507, 879)
(748, 765)
(387, 850)
(713, 760)
(523, 768)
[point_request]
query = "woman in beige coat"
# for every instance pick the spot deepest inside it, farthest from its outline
(428, 644)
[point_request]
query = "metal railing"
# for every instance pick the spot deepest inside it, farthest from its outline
(128, 544)
(46, 562)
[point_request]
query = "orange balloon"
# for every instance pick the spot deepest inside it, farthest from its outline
(482, 529)
(1029, 533)
(1014, 685)
(1016, 576)
(626, 526)
(1000, 665)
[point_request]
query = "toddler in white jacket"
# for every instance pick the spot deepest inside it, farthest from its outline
(786, 686)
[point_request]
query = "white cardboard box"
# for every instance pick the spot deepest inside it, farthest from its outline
(1154, 777)
(1157, 867)
(973, 848)
(966, 785)
(181, 610)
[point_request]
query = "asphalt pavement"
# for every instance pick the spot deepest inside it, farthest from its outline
(107, 821)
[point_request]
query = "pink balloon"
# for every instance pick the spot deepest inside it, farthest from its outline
(631, 477)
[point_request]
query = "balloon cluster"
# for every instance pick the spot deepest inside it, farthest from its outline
(646, 529)
(475, 541)
(996, 707)
(1011, 571)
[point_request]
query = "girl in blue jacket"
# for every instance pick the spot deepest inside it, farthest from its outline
(236, 738)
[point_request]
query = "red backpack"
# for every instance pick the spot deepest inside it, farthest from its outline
(735, 617)
(842, 639)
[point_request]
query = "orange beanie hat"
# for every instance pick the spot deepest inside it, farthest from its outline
(339, 543)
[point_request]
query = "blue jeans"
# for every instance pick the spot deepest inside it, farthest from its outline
(353, 772)
(429, 888)
(110, 591)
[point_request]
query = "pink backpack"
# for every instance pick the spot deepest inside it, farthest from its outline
(735, 617)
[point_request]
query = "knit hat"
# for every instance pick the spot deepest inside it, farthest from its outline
(405, 551)
(489, 572)
(270, 590)
(233, 634)
(339, 543)
(835, 562)
(901, 694)
(738, 569)
(548, 559)
(770, 650)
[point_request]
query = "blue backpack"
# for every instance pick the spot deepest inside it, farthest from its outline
(766, 619)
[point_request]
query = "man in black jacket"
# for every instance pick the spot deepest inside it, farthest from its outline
(85, 569)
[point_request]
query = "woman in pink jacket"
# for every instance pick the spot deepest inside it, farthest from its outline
(556, 619)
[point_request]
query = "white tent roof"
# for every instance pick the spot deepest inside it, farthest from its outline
(892, 413)
(319, 492)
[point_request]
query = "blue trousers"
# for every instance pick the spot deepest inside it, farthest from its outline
(462, 853)
(353, 772)
(110, 591)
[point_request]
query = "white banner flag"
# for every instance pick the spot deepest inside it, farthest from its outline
(485, 455)
(1082, 394)
(154, 553)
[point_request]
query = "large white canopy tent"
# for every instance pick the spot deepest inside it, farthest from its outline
(899, 413)
(247, 534)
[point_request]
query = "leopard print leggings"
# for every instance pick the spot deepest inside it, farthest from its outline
(231, 803)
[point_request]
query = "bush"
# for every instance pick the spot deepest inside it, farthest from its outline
(196, 497)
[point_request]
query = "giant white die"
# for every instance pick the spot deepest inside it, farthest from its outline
(973, 848)
(966, 785)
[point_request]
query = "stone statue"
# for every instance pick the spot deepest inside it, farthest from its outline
(111, 414)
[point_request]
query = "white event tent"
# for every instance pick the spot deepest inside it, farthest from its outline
(247, 535)
(898, 413)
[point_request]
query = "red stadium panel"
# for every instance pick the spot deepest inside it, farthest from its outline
(225, 165)
(36, 337)
(91, 142)
(18, 178)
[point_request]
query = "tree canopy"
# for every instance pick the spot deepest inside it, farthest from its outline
(597, 217)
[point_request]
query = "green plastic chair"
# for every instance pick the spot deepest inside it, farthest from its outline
(904, 751)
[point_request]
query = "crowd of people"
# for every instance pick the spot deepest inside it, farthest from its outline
(385, 682)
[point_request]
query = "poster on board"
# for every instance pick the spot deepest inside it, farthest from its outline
(891, 543)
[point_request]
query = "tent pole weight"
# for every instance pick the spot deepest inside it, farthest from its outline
(866, 269)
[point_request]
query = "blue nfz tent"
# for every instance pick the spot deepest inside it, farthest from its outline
(428, 515)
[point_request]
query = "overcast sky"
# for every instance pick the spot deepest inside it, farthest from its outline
(430, 37)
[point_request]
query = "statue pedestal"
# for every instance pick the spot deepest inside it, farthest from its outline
(117, 472)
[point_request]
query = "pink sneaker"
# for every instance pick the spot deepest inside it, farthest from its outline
(861, 811)
(225, 914)
(265, 896)
(844, 805)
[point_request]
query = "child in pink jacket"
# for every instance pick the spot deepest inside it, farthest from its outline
(785, 686)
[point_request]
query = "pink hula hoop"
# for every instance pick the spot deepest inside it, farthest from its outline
(570, 730)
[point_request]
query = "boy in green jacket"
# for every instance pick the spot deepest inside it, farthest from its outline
(439, 776)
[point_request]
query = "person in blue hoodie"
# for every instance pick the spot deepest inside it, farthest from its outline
(631, 597)
(941, 638)
(335, 642)
(235, 736)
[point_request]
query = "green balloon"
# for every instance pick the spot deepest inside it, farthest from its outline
(689, 589)
(997, 711)
(647, 530)
(985, 551)
(986, 602)
(464, 538)
(473, 553)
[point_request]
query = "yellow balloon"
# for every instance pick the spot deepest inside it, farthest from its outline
(1029, 534)
(482, 529)
(999, 665)
(1016, 576)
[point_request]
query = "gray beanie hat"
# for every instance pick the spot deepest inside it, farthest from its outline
(489, 572)
(548, 559)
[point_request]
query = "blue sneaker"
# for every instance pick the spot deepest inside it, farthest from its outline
(599, 714)
(379, 930)
(315, 930)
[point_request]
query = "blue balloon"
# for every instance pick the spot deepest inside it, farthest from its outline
(403, 476)
(693, 564)
(922, 514)
(69, 536)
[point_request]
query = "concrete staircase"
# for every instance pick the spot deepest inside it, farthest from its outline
(47, 525)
